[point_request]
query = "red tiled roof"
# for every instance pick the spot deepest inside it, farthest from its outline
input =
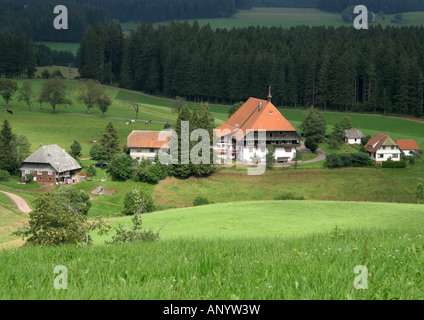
(255, 114)
(147, 139)
(377, 141)
(407, 144)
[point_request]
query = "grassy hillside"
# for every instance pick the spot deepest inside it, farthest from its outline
(10, 220)
(284, 219)
(313, 267)
(349, 184)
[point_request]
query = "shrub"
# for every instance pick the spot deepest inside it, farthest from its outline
(91, 172)
(78, 199)
(135, 234)
(394, 164)
(200, 201)
(54, 222)
(4, 175)
(29, 177)
(334, 160)
(138, 201)
(94, 152)
(288, 196)
(121, 166)
(311, 144)
(152, 173)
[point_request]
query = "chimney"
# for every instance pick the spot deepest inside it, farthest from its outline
(260, 105)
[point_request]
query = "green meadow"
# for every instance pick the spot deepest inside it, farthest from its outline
(283, 219)
(62, 46)
(317, 266)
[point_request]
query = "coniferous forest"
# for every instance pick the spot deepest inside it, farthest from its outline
(375, 70)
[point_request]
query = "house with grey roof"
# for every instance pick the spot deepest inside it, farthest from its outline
(50, 164)
(353, 136)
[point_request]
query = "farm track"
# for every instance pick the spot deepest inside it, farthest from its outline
(20, 202)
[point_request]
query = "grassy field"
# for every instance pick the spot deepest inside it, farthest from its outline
(63, 70)
(62, 46)
(288, 218)
(310, 181)
(319, 266)
(287, 18)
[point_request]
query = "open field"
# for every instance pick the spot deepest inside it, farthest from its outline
(285, 218)
(63, 70)
(62, 46)
(319, 266)
(349, 184)
(287, 18)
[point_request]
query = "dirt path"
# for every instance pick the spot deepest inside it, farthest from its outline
(20, 202)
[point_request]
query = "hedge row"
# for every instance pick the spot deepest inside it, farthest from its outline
(394, 164)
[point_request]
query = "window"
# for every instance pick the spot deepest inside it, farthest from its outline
(50, 173)
(152, 150)
(381, 155)
(288, 149)
(39, 173)
(395, 156)
(393, 148)
(384, 148)
(138, 150)
(27, 171)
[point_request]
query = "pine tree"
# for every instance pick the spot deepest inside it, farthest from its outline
(76, 150)
(109, 144)
(7, 154)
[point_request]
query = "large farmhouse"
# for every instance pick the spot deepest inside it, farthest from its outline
(239, 137)
(382, 148)
(145, 144)
(50, 164)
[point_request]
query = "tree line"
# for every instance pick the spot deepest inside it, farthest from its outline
(379, 70)
(20, 56)
(35, 19)
(386, 6)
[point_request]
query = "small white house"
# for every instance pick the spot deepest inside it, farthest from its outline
(146, 144)
(407, 146)
(382, 148)
(353, 136)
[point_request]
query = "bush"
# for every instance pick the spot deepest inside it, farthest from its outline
(334, 160)
(394, 164)
(4, 175)
(152, 173)
(54, 222)
(311, 144)
(78, 199)
(136, 234)
(288, 196)
(94, 152)
(138, 201)
(29, 177)
(121, 166)
(200, 201)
